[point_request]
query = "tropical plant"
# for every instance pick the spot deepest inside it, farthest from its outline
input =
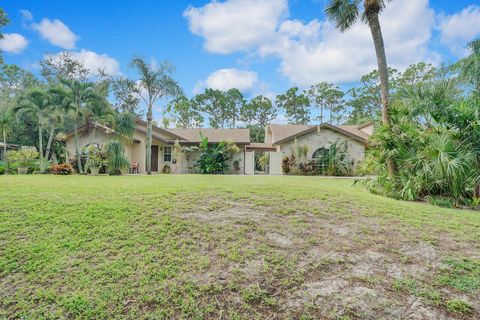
(214, 158)
(263, 160)
(434, 141)
(23, 158)
(116, 158)
(79, 95)
(334, 161)
(124, 126)
(95, 158)
(302, 151)
(36, 103)
(288, 163)
(154, 83)
(344, 13)
(62, 169)
(59, 106)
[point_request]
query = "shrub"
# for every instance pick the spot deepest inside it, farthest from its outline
(116, 158)
(62, 169)
(334, 161)
(95, 157)
(309, 167)
(72, 160)
(23, 158)
(2, 167)
(166, 169)
(433, 144)
(263, 161)
(12, 168)
(214, 158)
(288, 163)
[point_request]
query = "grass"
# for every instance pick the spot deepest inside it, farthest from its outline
(228, 247)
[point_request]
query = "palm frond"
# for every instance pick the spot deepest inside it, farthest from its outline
(343, 13)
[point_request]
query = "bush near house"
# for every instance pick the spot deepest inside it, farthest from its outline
(62, 169)
(333, 161)
(434, 144)
(214, 158)
(24, 158)
(117, 161)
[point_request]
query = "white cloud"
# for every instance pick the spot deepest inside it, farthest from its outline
(459, 29)
(236, 25)
(316, 51)
(94, 61)
(56, 32)
(13, 43)
(225, 79)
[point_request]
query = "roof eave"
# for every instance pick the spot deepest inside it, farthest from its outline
(324, 125)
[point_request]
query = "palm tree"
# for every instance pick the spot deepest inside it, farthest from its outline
(59, 107)
(155, 83)
(78, 94)
(344, 13)
(6, 127)
(36, 103)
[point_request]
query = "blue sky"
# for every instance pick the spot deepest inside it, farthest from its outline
(262, 47)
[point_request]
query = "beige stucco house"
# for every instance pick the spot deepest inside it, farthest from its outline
(285, 138)
(163, 142)
(279, 141)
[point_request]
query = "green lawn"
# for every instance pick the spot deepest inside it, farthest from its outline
(230, 247)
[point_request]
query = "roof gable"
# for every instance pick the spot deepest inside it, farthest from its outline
(352, 132)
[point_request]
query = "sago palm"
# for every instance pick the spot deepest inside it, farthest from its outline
(345, 13)
(154, 83)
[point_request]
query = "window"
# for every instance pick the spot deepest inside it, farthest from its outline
(167, 154)
(320, 152)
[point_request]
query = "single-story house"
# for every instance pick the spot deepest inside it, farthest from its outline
(279, 139)
(163, 145)
(318, 138)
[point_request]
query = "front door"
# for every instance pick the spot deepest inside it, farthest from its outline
(154, 163)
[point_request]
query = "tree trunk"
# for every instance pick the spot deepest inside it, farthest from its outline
(374, 24)
(149, 139)
(77, 149)
(5, 145)
(40, 146)
(49, 144)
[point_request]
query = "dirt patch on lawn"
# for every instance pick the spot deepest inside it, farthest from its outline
(328, 264)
